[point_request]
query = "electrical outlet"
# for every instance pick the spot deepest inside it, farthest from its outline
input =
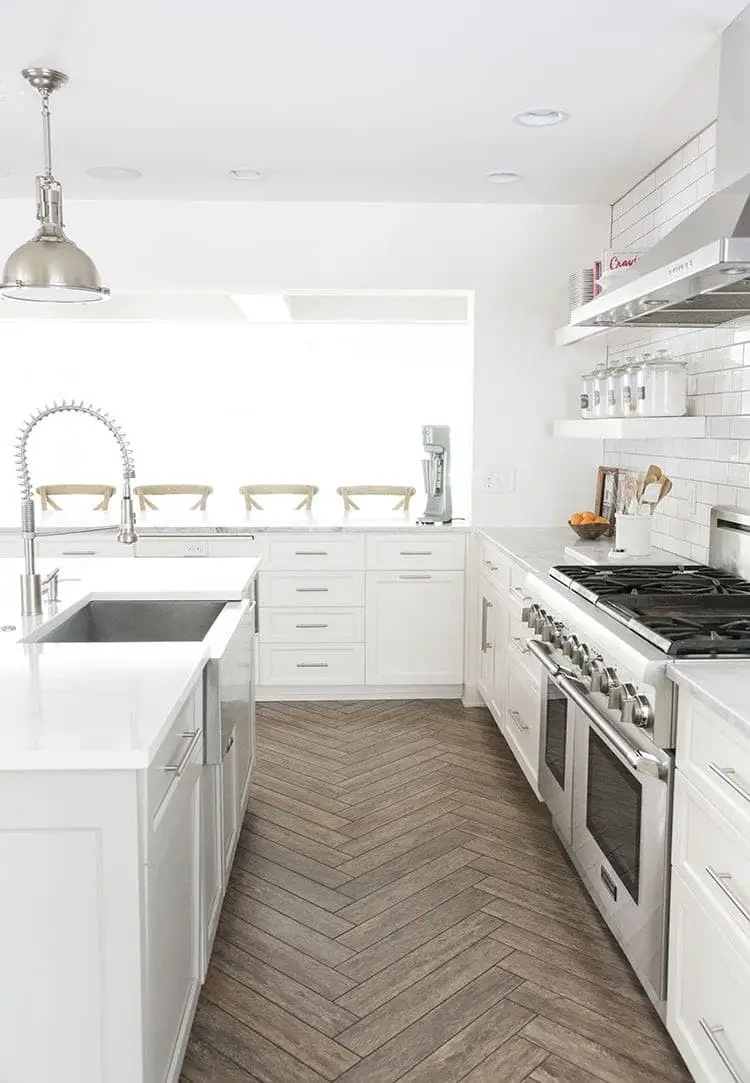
(500, 481)
(691, 493)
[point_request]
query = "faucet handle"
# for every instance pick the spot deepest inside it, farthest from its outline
(50, 584)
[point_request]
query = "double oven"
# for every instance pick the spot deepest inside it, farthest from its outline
(608, 787)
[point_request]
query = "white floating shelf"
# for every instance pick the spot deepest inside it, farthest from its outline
(568, 335)
(632, 428)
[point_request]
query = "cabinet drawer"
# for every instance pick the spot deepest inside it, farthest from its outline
(493, 565)
(303, 627)
(522, 716)
(408, 552)
(708, 1002)
(518, 649)
(716, 759)
(165, 774)
(306, 589)
(712, 855)
(314, 552)
(248, 545)
(171, 547)
(323, 665)
(96, 546)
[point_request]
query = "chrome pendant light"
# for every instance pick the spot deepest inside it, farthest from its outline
(50, 267)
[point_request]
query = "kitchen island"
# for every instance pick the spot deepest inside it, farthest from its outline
(113, 849)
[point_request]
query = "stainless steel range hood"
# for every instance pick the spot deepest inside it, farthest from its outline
(699, 274)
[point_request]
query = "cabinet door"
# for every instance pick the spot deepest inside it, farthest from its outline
(212, 857)
(486, 667)
(230, 802)
(246, 742)
(173, 923)
(499, 657)
(414, 628)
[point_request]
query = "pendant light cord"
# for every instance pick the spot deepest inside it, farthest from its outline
(47, 135)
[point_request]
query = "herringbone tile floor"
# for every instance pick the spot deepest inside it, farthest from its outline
(400, 909)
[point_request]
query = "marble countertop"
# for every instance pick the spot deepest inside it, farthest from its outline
(722, 684)
(103, 706)
(540, 548)
(197, 524)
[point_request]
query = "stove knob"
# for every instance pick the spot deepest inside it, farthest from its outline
(599, 679)
(614, 694)
(643, 713)
(525, 614)
(540, 622)
(558, 634)
(569, 645)
(579, 654)
(548, 630)
(627, 701)
(587, 661)
(534, 612)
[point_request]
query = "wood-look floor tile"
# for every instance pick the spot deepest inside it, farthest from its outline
(511, 1063)
(318, 851)
(389, 1019)
(407, 885)
(293, 822)
(298, 791)
(244, 1045)
(556, 1070)
(394, 811)
(303, 1042)
(413, 934)
(591, 1056)
(287, 879)
(204, 1064)
(406, 863)
(379, 927)
(304, 809)
(395, 847)
(616, 1036)
(279, 988)
(322, 921)
(291, 931)
(289, 960)
(390, 768)
(396, 828)
(255, 845)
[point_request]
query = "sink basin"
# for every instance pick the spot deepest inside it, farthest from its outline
(134, 622)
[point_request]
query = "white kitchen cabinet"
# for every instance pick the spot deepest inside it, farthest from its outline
(212, 857)
(492, 648)
(173, 922)
(230, 801)
(246, 743)
(93, 545)
(522, 720)
(414, 627)
(420, 552)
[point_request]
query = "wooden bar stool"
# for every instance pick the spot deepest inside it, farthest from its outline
(46, 493)
(307, 492)
(145, 492)
(405, 492)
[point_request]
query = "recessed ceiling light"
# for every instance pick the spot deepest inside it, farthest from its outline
(503, 177)
(540, 118)
(114, 173)
(245, 173)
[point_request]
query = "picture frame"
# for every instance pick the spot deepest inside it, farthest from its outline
(605, 497)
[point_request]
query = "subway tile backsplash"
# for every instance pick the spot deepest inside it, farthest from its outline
(716, 469)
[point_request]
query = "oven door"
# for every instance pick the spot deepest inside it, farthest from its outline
(621, 827)
(556, 756)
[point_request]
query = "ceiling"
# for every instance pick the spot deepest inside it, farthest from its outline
(385, 100)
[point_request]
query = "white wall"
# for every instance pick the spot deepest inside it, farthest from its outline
(515, 259)
(716, 469)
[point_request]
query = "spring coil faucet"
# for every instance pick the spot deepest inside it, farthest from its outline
(31, 583)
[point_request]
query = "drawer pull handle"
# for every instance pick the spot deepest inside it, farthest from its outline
(311, 553)
(79, 552)
(521, 644)
(178, 768)
(520, 724)
(228, 749)
(312, 590)
(732, 779)
(311, 626)
(415, 553)
(490, 565)
(312, 665)
(722, 881)
(716, 1036)
(415, 577)
(518, 594)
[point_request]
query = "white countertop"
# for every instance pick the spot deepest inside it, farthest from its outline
(722, 684)
(539, 548)
(151, 524)
(78, 706)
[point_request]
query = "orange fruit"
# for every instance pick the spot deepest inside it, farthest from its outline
(588, 517)
(601, 519)
(576, 520)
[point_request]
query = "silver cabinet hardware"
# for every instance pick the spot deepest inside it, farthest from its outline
(178, 768)
(486, 606)
(732, 779)
(312, 665)
(542, 652)
(492, 567)
(716, 1035)
(723, 881)
(415, 577)
(570, 645)
(7, 627)
(520, 724)
(230, 742)
(643, 712)
(311, 626)
(518, 594)
(79, 552)
(311, 552)
(416, 553)
(521, 644)
(311, 590)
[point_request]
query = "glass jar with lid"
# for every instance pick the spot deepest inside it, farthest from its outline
(599, 390)
(586, 397)
(629, 385)
(662, 386)
(613, 398)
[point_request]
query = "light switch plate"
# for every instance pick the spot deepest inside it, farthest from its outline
(691, 492)
(502, 480)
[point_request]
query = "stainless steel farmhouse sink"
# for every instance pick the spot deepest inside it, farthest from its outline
(134, 622)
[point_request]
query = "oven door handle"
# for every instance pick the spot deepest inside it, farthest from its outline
(543, 651)
(643, 762)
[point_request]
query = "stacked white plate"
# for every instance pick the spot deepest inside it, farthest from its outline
(580, 287)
